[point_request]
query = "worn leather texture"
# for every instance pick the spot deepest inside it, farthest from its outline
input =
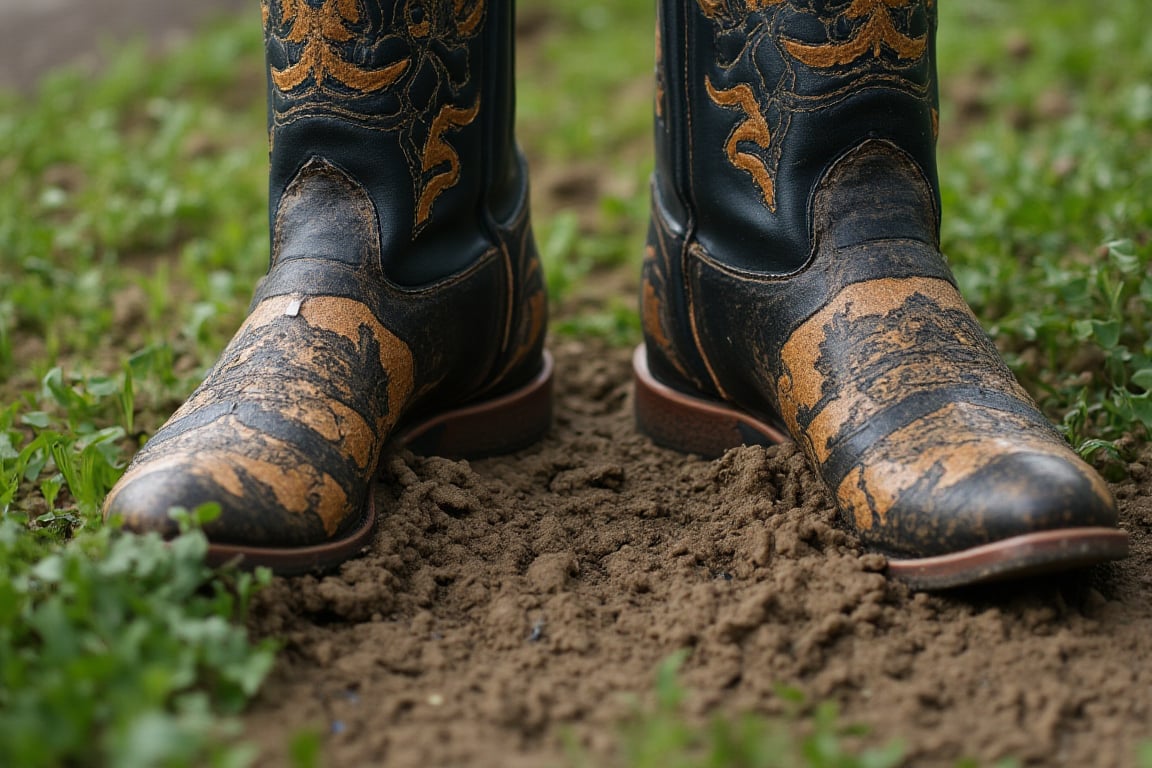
(403, 95)
(794, 270)
(404, 279)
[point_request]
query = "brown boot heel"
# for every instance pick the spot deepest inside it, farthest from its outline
(690, 424)
(488, 428)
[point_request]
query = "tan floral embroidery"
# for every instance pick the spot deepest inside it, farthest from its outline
(320, 30)
(754, 129)
(878, 39)
(877, 32)
(326, 46)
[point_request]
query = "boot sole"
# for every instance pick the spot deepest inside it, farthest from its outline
(689, 424)
(1030, 554)
(500, 425)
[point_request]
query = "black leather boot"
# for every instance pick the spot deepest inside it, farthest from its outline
(793, 286)
(404, 300)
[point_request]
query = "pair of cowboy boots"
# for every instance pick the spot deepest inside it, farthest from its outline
(792, 288)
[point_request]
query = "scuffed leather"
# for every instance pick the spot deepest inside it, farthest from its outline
(368, 319)
(829, 310)
(732, 85)
(403, 95)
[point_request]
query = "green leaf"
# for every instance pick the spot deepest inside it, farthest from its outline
(1106, 333)
(1143, 378)
(37, 419)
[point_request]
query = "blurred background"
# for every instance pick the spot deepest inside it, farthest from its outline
(37, 35)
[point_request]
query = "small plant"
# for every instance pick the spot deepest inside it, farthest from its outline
(664, 737)
(1042, 214)
(123, 650)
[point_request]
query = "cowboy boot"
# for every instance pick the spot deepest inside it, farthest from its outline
(793, 286)
(404, 299)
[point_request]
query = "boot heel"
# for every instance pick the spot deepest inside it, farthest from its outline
(489, 428)
(692, 424)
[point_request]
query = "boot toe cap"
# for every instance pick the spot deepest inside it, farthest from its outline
(1011, 495)
(144, 498)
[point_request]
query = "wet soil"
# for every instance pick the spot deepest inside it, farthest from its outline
(510, 603)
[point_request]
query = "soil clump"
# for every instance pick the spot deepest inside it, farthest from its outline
(510, 601)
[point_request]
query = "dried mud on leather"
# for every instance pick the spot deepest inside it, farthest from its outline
(508, 601)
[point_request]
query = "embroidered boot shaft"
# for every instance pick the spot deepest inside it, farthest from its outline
(404, 298)
(793, 286)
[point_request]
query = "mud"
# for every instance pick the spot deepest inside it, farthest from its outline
(510, 603)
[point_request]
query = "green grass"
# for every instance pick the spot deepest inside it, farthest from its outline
(583, 99)
(662, 735)
(1045, 197)
(133, 227)
(119, 650)
(131, 231)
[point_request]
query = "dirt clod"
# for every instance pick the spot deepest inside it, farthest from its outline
(507, 601)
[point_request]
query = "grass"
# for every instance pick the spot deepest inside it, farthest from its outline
(663, 736)
(570, 118)
(119, 650)
(1044, 191)
(132, 229)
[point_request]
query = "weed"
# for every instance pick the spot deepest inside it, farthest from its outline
(1043, 218)
(121, 650)
(663, 736)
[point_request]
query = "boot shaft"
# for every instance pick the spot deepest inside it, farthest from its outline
(757, 99)
(414, 101)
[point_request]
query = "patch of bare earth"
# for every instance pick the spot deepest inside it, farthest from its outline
(509, 601)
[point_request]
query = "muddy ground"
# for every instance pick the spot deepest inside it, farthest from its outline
(510, 601)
